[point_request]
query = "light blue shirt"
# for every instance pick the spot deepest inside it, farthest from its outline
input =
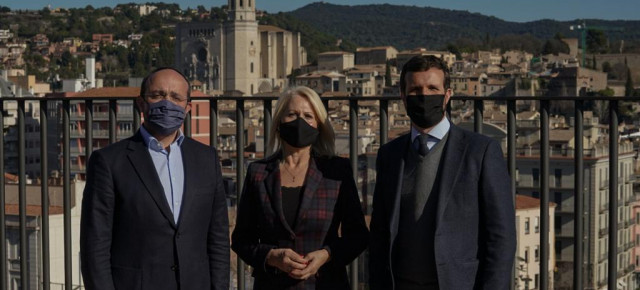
(435, 135)
(169, 167)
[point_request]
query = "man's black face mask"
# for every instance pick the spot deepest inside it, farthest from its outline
(425, 111)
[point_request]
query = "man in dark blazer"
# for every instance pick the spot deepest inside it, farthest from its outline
(443, 214)
(154, 213)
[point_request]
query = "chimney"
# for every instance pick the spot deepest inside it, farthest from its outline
(90, 63)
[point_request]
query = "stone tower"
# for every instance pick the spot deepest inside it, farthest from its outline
(242, 52)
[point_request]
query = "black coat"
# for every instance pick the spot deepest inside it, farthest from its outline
(475, 239)
(128, 237)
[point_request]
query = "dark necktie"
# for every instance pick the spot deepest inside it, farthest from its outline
(423, 149)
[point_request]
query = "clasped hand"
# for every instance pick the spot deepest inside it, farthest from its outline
(295, 265)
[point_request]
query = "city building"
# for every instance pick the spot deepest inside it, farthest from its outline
(375, 55)
(238, 57)
(527, 263)
(405, 55)
(335, 61)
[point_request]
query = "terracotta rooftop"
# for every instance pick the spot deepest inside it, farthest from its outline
(32, 210)
(124, 92)
(10, 177)
(270, 28)
(527, 202)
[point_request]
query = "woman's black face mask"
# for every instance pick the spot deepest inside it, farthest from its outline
(298, 133)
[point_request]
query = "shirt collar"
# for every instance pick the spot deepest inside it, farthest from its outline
(153, 143)
(437, 132)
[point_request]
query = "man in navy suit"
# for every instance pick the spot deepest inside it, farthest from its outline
(154, 212)
(443, 214)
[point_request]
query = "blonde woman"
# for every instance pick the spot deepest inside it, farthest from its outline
(299, 219)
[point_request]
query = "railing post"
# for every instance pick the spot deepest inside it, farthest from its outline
(353, 154)
(478, 108)
(22, 198)
(240, 173)
(88, 131)
(384, 122)
(66, 199)
(578, 234)
(267, 121)
(187, 125)
(112, 121)
(613, 195)
(213, 122)
(136, 117)
(511, 161)
(44, 177)
(544, 194)
(3, 223)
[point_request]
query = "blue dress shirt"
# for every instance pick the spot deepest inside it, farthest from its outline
(435, 135)
(169, 167)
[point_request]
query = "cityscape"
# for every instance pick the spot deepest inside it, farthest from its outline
(68, 84)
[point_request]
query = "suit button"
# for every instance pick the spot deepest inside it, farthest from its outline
(174, 268)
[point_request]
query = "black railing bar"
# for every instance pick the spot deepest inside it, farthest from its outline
(136, 117)
(478, 116)
(88, 124)
(44, 203)
(3, 231)
(384, 121)
(240, 175)
(213, 123)
(578, 224)
(22, 197)
(112, 120)
(66, 200)
(613, 195)
(511, 162)
(267, 121)
(544, 195)
(353, 155)
(187, 124)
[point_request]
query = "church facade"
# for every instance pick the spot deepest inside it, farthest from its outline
(238, 57)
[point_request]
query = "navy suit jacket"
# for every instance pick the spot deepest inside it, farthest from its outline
(475, 238)
(128, 237)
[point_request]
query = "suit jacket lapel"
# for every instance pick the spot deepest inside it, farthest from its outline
(312, 181)
(272, 186)
(396, 166)
(143, 165)
(454, 151)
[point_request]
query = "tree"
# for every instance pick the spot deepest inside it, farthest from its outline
(596, 41)
(555, 46)
(628, 86)
(387, 75)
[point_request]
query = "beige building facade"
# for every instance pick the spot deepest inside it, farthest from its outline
(238, 57)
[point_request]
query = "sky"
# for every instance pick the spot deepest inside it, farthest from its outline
(510, 10)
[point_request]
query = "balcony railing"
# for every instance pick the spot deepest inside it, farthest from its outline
(545, 154)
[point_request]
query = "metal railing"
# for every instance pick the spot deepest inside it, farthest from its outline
(577, 155)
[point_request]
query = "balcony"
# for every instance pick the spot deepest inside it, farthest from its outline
(383, 133)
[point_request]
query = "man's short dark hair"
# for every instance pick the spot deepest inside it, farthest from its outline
(424, 63)
(145, 81)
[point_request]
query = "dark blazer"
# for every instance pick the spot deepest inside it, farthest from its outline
(329, 202)
(475, 238)
(128, 237)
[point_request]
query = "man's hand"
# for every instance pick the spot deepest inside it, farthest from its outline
(286, 260)
(315, 260)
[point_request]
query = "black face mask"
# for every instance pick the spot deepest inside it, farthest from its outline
(425, 111)
(298, 133)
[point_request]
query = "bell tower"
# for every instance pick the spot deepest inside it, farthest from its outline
(242, 53)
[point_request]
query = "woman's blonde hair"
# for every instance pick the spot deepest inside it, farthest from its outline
(325, 144)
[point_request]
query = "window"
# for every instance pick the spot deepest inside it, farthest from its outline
(535, 172)
(252, 67)
(558, 224)
(536, 281)
(558, 177)
(537, 253)
(536, 224)
(526, 254)
(526, 226)
(558, 198)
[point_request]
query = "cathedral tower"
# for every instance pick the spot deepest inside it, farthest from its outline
(242, 52)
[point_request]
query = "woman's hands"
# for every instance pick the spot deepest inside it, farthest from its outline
(297, 266)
